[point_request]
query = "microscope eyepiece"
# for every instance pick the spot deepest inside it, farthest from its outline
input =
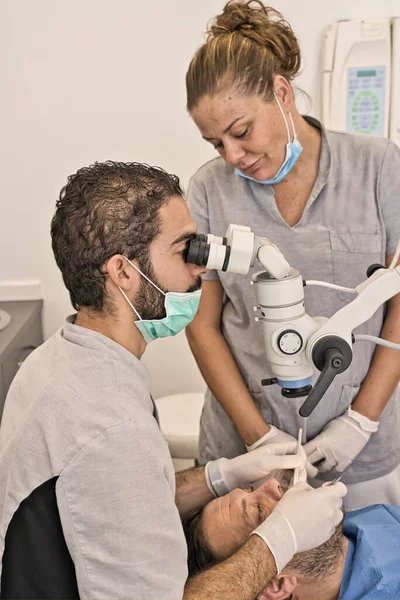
(235, 253)
(209, 251)
(198, 250)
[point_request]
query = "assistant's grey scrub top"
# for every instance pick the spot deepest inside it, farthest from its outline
(351, 220)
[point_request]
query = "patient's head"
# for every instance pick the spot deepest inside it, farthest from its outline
(227, 521)
(216, 532)
(224, 524)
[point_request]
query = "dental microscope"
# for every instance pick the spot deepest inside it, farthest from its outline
(295, 342)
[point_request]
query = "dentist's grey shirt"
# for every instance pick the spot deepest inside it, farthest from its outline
(87, 483)
(351, 220)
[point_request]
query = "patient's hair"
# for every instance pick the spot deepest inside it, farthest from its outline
(106, 209)
(318, 563)
(314, 564)
(200, 556)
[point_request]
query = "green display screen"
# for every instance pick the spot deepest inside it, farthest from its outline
(370, 73)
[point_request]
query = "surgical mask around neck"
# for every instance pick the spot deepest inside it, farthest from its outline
(293, 151)
(180, 308)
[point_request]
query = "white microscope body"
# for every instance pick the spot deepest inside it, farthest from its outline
(295, 342)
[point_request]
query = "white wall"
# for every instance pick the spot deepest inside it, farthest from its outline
(86, 80)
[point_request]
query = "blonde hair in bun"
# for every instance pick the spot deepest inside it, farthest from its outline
(247, 45)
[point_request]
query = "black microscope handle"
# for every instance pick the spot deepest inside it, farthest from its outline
(333, 364)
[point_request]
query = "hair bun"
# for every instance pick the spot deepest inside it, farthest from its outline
(241, 17)
(263, 25)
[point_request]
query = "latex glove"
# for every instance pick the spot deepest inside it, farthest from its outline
(341, 440)
(305, 518)
(276, 436)
(224, 475)
(285, 476)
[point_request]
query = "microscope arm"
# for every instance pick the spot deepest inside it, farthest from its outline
(372, 293)
(330, 348)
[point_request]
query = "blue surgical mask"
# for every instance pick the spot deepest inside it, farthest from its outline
(293, 151)
(180, 309)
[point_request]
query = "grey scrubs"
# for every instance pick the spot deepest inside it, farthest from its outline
(87, 485)
(351, 220)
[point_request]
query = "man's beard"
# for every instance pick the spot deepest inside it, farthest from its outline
(149, 302)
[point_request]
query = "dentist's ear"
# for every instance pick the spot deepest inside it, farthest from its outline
(284, 92)
(121, 273)
(280, 588)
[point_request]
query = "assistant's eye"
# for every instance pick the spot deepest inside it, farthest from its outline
(242, 135)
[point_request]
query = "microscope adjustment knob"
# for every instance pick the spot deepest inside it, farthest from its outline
(290, 342)
(372, 268)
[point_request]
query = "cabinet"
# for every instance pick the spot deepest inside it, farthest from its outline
(18, 339)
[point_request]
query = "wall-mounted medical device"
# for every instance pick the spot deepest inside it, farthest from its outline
(361, 77)
(296, 342)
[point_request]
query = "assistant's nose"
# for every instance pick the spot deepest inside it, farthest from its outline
(234, 153)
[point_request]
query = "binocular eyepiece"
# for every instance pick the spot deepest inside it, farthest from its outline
(197, 250)
(208, 251)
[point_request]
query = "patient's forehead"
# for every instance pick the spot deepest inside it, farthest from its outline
(235, 515)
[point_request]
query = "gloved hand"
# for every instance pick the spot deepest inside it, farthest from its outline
(305, 518)
(276, 436)
(224, 475)
(341, 440)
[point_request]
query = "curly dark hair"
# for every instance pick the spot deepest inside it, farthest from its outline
(106, 209)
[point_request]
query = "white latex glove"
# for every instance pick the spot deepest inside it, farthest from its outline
(341, 440)
(305, 518)
(276, 436)
(224, 475)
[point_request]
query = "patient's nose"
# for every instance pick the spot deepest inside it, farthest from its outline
(272, 489)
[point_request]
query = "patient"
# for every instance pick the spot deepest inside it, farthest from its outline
(361, 559)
